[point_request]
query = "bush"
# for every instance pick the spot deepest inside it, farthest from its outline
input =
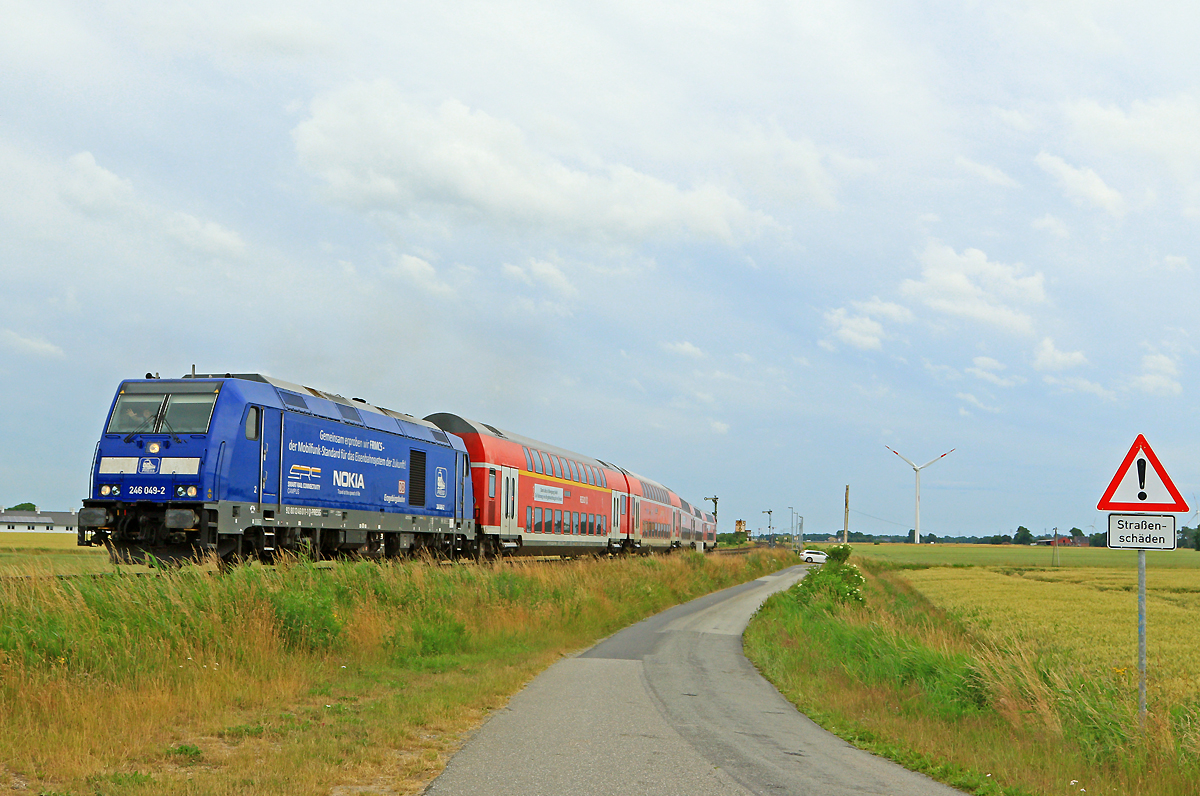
(839, 553)
(839, 582)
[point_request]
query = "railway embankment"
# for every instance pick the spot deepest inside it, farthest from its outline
(360, 677)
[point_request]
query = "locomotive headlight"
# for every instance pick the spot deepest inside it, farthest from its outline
(154, 447)
(191, 491)
(106, 490)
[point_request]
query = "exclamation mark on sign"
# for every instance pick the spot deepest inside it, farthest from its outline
(1141, 463)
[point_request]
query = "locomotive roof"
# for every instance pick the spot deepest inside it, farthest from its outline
(358, 403)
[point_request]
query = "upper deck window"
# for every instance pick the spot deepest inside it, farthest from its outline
(172, 408)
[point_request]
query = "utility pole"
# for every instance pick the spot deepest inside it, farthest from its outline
(846, 520)
(792, 527)
(770, 530)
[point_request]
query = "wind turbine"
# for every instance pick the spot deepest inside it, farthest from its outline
(918, 470)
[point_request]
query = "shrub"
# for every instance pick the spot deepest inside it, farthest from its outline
(838, 582)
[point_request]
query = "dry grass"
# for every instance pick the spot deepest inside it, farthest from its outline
(357, 679)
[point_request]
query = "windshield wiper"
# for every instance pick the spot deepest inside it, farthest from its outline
(167, 424)
(138, 430)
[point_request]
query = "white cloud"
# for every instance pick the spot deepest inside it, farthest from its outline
(973, 401)
(1082, 186)
(1076, 384)
(884, 309)
(1159, 376)
(786, 169)
(94, 189)
(1050, 358)
(205, 237)
(377, 152)
(1163, 128)
(421, 273)
(1176, 263)
(968, 285)
(855, 330)
(1052, 225)
(988, 370)
(718, 427)
(545, 273)
(29, 346)
(988, 173)
(683, 349)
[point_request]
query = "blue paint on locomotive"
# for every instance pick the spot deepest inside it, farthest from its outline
(205, 441)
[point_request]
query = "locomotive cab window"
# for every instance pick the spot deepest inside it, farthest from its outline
(164, 408)
(252, 423)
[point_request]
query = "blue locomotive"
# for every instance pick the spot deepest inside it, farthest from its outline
(244, 466)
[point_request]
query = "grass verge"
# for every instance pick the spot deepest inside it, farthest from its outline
(356, 679)
(896, 675)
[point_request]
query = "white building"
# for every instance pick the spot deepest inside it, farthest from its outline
(37, 521)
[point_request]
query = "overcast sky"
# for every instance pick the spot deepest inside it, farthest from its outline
(736, 247)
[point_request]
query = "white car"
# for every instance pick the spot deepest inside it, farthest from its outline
(813, 557)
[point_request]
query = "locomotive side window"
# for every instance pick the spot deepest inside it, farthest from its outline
(252, 423)
(491, 483)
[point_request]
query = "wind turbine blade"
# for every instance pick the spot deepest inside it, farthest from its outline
(931, 461)
(902, 456)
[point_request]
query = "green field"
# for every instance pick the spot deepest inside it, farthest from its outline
(1009, 555)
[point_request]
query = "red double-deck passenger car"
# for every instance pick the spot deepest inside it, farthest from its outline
(537, 499)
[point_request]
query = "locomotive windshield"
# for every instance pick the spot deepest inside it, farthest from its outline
(171, 408)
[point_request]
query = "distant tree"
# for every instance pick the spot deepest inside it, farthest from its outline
(1076, 533)
(1023, 535)
(1098, 540)
(930, 538)
(22, 507)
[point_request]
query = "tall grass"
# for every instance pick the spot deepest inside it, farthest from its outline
(1011, 715)
(296, 678)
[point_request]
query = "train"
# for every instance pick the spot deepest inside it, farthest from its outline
(247, 467)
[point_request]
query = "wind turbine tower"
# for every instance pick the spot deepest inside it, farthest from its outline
(918, 470)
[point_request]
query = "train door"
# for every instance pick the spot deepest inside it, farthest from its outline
(270, 454)
(508, 508)
(615, 525)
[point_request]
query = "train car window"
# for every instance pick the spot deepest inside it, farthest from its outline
(557, 466)
(575, 523)
(592, 524)
(587, 474)
(491, 483)
(571, 470)
(529, 519)
(252, 423)
(558, 521)
(622, 504)
(528, 459)
(537, 520)
(603, 480)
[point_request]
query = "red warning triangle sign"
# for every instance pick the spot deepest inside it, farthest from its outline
(1141, 484)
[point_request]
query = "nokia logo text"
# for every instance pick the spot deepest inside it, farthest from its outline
(350, 480)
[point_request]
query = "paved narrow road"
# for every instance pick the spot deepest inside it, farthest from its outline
(668, 707)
